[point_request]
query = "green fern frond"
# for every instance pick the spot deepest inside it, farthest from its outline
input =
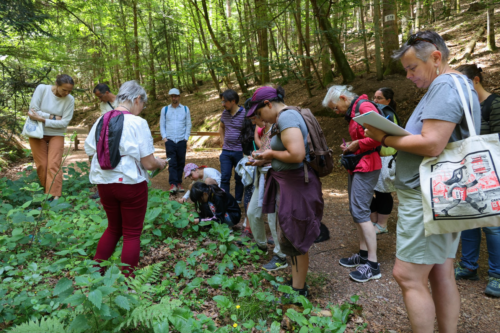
(43, 326)
(149, 274)
(148, 315)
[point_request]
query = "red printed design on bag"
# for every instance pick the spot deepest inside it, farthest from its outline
(495, 205)
(459, 193)
(120, 179)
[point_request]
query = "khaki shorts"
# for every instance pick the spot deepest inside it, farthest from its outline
(411, 244)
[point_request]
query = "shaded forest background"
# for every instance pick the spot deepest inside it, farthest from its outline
(212, 45)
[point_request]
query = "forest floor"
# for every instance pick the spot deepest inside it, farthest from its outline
(383, 307)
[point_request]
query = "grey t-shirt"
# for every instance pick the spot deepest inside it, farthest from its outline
(289, 118)
(441, 102)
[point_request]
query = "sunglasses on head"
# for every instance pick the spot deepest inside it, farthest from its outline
(414, 39)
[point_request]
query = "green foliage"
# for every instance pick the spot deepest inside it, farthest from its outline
(43, 325)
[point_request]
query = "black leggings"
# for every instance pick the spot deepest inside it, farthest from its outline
(382, 203)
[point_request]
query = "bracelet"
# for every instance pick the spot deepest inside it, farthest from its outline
(383, 140)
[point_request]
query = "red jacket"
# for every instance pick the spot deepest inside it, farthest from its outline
(372, 161)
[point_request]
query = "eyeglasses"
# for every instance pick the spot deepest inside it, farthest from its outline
(378, 97)
(414, 39)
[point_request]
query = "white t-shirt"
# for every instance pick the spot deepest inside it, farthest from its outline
(136, 142)
(207, 173)
(46, 103)
(106, 108)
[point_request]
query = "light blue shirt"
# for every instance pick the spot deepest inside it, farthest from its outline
(176, 126)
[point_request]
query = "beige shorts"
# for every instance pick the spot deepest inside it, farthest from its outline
(411, 244)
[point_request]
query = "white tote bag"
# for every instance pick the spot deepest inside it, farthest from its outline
(33, 129)
(460, 187)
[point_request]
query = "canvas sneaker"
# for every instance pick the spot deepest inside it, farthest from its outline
(275, 264)
(173, 189)
(493, 287)
(180, 188)
(353, 261)
(365, 273)
(462, 272)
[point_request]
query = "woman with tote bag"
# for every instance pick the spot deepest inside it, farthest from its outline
(437, 120)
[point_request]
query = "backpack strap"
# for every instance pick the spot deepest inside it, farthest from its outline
(361, 101)
(111, 106)
(486, 109)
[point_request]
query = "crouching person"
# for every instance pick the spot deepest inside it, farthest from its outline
(213, 204)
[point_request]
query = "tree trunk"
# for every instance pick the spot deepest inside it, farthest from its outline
(234, 64)
(136, 43)
(417, 16)
(300, 49)
(390, 37)
(127, 46)
(365, 47)
(457, 6)
(204, 47)
(278, 61)
(250, 43)
(470, 46)
(490, 24)
(376, 25)
(261, 16)
(340, 60)
(151, 55)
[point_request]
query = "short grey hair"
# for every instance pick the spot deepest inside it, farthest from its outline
(129, 91)
(334, 93)
(424, 49)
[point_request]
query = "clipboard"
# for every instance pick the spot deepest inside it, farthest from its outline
(376, 120)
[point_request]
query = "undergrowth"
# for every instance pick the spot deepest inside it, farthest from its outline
(49, 282)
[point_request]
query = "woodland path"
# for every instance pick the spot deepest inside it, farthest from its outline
(382, 301)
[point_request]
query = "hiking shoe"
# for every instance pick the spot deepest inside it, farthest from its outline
(245, 234)
(493, 287)
(256, 247)
(464, 273)
(95, 196)
(275, 264)
(366, 273)
(173, 189)
(179, 188)
(270, 240)
(353, 261)
(289, 282)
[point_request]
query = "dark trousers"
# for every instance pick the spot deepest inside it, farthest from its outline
(125, 207)
(177, 154)
(228, 160)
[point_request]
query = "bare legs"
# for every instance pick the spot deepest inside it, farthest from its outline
(367, 239)
(421, 306)
(380, 219)
(299, 277)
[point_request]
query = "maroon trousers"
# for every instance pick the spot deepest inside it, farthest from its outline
(125, 206)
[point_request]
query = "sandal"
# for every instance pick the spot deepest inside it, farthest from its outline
(381, 230)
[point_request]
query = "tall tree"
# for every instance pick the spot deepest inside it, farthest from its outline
(490, 26)
(151, 54)
(136, 42)
(378, 58)
(365, 47)
(390, 36)
(300, 48)
(333, 42)
(262, 25)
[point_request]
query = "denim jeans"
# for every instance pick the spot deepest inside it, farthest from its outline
(228, 161)
(177, 154)
(471, 240)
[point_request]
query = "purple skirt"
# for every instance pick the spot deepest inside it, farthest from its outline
(300, 208)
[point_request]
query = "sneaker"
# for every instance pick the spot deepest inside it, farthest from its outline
(179, 188)
(287, 298)
(173, 189)
(95, 196)
(366, 273)
(256, 247)
(462, 272)
(493, 287)
(275, 264)
(270, 241)
(353, 261)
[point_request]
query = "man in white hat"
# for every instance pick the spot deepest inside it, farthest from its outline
(175, 128)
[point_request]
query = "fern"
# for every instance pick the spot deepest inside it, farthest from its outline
(149, 315)
(43, 326)
(149, 274)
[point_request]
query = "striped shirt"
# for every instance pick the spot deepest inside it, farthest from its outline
(493, 126)
(232, 129)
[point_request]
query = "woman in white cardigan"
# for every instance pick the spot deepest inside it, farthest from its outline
(53, 106)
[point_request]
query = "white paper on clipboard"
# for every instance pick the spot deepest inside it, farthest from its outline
(376, 120)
